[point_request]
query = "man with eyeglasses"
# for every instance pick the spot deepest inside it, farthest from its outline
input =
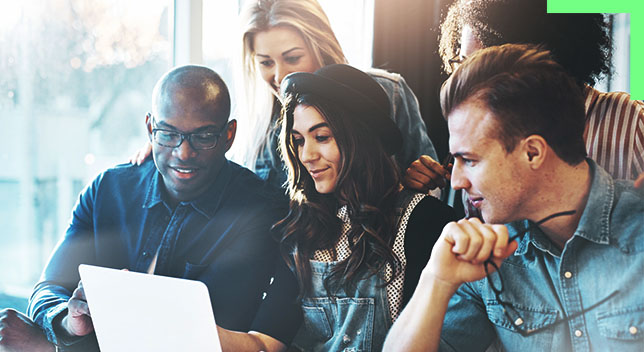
(565, 272)
(188, 213)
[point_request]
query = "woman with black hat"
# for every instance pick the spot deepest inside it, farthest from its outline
(354, 243)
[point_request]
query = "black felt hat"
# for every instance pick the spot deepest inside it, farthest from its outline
(353, 90)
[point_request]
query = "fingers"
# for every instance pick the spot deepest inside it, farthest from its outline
(475, 242)
(509, 249)
(139, 157)
(501, 242)
(639, 183)
(77, 304)
(426, 174)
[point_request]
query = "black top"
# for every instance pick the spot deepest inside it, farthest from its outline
(280, 314)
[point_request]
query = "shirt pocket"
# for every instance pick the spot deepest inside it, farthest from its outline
(623, 327)
(531, 318)
(316, 322)
(337, 324)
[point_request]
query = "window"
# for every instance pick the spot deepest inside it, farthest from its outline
(76, 84)
(74, 92)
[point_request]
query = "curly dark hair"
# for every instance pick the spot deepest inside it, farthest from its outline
(579, 42)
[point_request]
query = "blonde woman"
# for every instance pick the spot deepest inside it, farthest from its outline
(285, 36)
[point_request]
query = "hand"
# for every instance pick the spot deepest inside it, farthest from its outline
(139, 157)
(426, 174)
(78, 321)
(19, 334)
(639, 183)
(464, 246)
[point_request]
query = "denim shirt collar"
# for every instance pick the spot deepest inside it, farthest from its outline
(206, 204)
(594, 224)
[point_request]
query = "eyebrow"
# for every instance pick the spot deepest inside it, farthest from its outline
(460, 154)
(200, 129)
(283, 54)
(314, 127)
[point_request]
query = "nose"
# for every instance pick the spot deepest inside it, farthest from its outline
(308, 153)
(280, 73)
(184, 151)
(459, 179)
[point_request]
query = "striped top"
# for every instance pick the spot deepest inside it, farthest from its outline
(614, 132)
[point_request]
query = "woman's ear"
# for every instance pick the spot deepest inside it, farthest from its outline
(535, 148)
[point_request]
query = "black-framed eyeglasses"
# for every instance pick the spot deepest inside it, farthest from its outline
(508, 310)
(198, 141)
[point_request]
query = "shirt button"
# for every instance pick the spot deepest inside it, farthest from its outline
(144, 254)
(632, 330)
(518, 322)
(346, 339)
(578, 333)
(567, 274)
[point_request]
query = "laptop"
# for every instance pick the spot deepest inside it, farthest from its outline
(141, 312)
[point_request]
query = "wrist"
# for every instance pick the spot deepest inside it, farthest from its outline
(65, 327)
(430, 278)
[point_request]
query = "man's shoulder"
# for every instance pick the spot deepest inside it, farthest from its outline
(123, 178)
(249, 187)
(128, 172)
(627, 217)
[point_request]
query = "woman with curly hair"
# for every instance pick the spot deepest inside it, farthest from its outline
(354, 242)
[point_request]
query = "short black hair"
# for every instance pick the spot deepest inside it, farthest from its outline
(527, 92)
(198, 84)
(579, 42)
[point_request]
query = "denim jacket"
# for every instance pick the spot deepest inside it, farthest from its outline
(545, 284)
(404, 111)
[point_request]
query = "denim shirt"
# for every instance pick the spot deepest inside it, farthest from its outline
(404, 111)
(122, 219)
(544, 284)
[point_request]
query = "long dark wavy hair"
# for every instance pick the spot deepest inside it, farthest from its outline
(368, 182)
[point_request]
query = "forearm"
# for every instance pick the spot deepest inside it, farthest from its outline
(418, 328)
(252, 341)
(46, 306)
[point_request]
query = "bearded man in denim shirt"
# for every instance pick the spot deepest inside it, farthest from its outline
(188, 213)
(572, 280)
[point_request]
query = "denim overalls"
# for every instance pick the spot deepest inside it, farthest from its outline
(348, 321)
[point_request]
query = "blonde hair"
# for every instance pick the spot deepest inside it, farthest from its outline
(306, 18)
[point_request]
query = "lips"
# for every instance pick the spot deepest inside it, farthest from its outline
(184, 172)
(476, 201)
(316, 173)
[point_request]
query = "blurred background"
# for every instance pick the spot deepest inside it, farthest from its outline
(76, 78)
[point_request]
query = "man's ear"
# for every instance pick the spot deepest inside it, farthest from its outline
(148, 125)
(231, 130)
(535, 149)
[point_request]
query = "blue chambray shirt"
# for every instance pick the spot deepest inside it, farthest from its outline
(404, 111)
(121, 219)
(543, 283)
